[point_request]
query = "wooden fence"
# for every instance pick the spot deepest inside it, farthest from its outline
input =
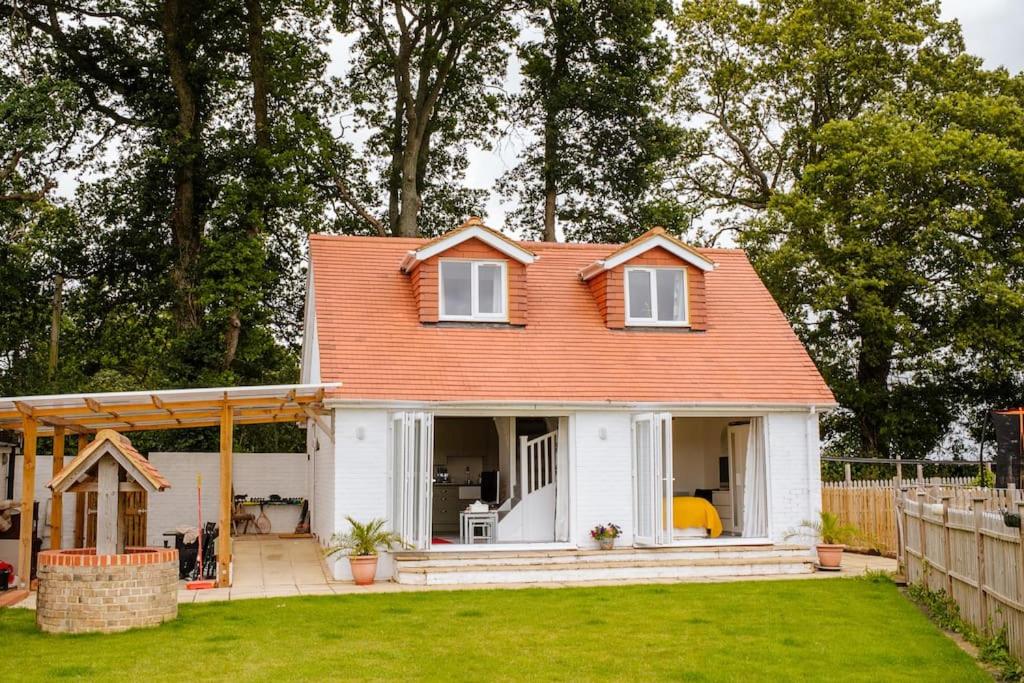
(959, 542)
(871, 505)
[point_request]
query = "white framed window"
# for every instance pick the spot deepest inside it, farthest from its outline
(473, 290)
(656, 297)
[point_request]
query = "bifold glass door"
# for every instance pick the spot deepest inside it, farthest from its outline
(652, 478)
(411, 465)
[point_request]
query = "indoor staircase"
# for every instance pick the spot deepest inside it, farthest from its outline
(625, 564)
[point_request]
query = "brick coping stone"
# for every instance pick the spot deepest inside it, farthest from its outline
(82, 592)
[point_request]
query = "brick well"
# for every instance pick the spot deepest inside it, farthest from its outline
(82, 592)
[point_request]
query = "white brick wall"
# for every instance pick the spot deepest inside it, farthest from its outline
(604, 471)
(794, 471)
(255, 474)
(360, 474)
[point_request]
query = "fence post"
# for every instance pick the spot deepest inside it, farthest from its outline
(920, 474)
(847, 472)
(979, 541)
(947, 560)
(1020, 553)
(901, 527)
(923, 543)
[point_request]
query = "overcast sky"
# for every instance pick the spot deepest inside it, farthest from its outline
(993, 30)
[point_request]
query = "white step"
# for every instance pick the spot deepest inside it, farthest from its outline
(627, 564)
(527, 557)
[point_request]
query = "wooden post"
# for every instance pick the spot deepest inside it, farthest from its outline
(107, 517)
(920, 473)
(1020, 553)
(978, 504)
(947, 551)
(922, 543)
(28, 492)
(848, 474)
(899, 471)
(224, 539)
(57, 507)
(83, 441)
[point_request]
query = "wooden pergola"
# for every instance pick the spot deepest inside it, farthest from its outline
(60, 415)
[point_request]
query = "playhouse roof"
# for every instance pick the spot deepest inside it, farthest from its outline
(109, 441)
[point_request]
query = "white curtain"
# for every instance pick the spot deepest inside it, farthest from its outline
(755, 484)
(562, 481)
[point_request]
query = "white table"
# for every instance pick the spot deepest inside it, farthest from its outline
(485, 522)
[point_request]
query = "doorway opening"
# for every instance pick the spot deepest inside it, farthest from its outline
(699, 479)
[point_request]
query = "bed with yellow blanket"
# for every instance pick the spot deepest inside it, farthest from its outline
(689, 513)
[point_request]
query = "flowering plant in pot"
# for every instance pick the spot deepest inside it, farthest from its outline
(605, 535)
(363, 542)
(833, 537)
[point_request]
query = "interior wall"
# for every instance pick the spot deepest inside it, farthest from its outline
(465, 442)
(697, 444)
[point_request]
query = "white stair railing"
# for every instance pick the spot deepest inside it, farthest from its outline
(537, 462)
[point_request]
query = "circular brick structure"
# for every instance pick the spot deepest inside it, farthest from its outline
(82, 592)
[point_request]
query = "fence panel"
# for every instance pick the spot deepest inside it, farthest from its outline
(968, 550)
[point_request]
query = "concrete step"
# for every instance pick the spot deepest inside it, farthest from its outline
(542, 571)
(620, 555)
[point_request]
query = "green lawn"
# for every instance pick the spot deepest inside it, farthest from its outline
(785, 630)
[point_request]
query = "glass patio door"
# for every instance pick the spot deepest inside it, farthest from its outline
(652, 478)
(411, 460)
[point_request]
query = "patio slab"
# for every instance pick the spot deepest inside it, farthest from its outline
(271, 567)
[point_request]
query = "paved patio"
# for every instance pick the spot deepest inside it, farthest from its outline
(273, 567)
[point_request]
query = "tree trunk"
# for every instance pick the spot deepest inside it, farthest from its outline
(551, 139)
(58, 297)
(186, 221)
(874, 365)
(408, 217)
(395, 174)
(261, 128)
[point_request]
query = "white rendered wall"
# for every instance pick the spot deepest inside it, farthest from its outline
(255, 474)
(360, 476)
(794, 471)
(604, 474)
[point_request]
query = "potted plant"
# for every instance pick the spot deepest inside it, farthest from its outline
(605, 535)
(833, 537)
(363, 542)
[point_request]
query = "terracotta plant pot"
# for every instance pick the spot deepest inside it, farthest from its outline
(606, 543)
(364, 569)
(830, 554)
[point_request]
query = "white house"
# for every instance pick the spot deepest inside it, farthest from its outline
(651, 385)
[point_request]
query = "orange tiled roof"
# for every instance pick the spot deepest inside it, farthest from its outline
(122, 444)
(371, 338)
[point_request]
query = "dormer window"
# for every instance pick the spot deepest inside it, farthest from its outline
(473, 291)
(656, 297)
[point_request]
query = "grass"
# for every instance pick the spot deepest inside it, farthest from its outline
(785, 630)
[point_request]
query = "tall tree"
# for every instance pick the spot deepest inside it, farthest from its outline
(758, 80)
(424, 79)
(207, 121)
(898, 256)
(590, 101)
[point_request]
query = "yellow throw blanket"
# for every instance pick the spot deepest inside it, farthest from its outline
(689, 512)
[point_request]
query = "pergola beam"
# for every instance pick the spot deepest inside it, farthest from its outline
(94, 407)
